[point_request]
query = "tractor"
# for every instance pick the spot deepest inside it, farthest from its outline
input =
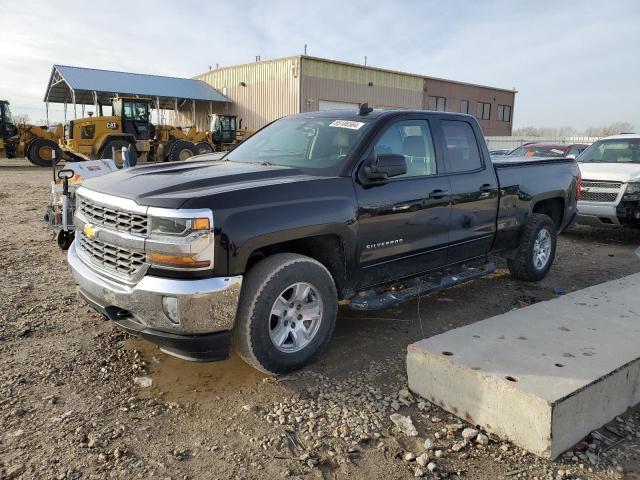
(98, 137)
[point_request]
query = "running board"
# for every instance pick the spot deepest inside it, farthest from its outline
(372, 300)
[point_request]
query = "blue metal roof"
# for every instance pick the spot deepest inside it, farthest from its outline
(106, 83)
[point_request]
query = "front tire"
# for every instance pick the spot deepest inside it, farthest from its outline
(203, 147)
(40, 152)
(180, 150)
(537, 250)
(287, 313)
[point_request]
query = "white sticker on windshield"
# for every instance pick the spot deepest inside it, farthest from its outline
(556, 151)
(347, 124)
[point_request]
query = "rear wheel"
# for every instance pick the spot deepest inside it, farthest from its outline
(537, 249)
(180, 150)
(203, 147)
(41, 151)
(107, 152)
(287, 313)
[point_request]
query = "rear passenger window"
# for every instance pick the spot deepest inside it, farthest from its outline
(462, 153)
(411, 138)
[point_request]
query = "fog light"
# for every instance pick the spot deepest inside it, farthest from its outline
(170, 308)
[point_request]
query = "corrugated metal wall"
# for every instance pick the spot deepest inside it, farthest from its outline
(260, 92)
(264, 91)
(323, 80)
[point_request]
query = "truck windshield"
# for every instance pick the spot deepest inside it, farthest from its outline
(612, 151)
(317, 146)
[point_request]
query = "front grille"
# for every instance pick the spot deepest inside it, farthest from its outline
(110, 257)
(601, 184)
(121, 220)
(599, 196)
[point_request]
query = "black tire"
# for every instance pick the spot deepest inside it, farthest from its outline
(262, 285)
(40, 152)
(118, 145)
(523, 264)
(203, 147)
(180, 150)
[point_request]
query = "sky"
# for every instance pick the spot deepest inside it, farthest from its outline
(573, 63)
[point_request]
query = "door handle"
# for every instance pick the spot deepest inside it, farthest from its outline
(439, 193)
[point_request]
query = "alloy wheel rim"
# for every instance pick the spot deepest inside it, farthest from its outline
(295, 317)
(542, 249)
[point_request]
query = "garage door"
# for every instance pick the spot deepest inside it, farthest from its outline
(329, 105)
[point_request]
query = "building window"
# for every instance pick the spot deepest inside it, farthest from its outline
(437, 103)
(484, 111)
(464, 106)
(504, 113)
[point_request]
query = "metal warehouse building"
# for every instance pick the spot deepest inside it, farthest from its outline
(265, 90)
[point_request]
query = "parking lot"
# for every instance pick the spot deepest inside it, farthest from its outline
(70, 406)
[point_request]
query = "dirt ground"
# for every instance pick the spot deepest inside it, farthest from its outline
(70, 407)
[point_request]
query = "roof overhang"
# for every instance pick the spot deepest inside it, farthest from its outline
(75, 85)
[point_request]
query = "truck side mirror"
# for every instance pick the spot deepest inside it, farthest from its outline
(387, 165)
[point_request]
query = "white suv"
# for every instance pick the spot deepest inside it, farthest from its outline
(611, 182)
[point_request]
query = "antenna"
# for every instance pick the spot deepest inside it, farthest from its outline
(305, 48)
(364, 109)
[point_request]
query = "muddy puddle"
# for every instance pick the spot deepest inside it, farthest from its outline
(180, 381)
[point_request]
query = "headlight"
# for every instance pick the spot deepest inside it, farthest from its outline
(177, 226)
(633, 188)
(180, 239)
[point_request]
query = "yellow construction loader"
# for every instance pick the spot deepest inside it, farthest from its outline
(172, 144)
(99, 137)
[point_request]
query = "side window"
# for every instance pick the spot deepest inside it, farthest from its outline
(411, 138)
(462, 153)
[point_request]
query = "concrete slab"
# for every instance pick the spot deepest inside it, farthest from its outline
(543, 376)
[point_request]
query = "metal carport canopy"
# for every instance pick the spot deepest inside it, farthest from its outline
(89, 86)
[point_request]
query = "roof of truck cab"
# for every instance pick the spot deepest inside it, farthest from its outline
(348, 114)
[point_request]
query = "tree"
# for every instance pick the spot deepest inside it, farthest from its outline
(611, 129)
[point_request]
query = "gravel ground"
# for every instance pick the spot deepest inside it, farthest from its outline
(79, 399)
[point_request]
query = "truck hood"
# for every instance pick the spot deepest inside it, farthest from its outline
(170, 185)
(617, 172)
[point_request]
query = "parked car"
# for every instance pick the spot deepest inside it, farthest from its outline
(499, 152)
(367, 209)
(549, 150)
(611, 186)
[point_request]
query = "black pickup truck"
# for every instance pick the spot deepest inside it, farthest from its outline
(364, 208)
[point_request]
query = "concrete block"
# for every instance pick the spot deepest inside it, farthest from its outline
(543, 376)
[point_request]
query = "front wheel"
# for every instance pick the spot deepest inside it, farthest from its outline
(287, 313)
(537, 250)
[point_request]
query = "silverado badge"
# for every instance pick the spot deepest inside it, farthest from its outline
(89, 231)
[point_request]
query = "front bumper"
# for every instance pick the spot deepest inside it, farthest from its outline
(206, 309)
(595, 214)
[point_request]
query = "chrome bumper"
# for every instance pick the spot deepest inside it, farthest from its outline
(597, 214)
(203, 305)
